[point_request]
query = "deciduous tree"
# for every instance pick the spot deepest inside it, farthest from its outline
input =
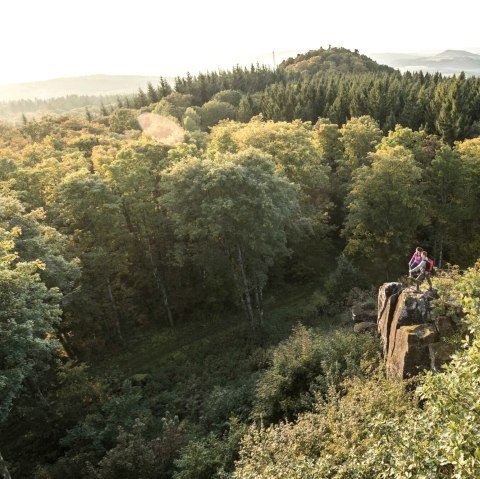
(237, 206)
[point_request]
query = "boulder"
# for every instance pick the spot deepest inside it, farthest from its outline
(411, 308)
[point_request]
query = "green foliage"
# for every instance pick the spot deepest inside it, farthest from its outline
(29, 312)
(212, 457)
(468, 220)
(247, 109)
(77, 393)
(175, 104)
(431, 432)
(440, 439)
(343, 279)
(292, 148)
(359, 137)
(229, 96)
(305, 366)
(333, 440)
(144, 458)
(122, 120)
(214, 110)
(386, 205)
(152, 246)
(241, 207)
(326, 138)
(192, 119)
(414, 141)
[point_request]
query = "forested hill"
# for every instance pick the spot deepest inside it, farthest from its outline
(332, 60)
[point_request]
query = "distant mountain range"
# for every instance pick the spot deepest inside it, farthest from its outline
(447, 62)
(86, 85)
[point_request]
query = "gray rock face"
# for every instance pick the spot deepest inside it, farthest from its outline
(411, 341)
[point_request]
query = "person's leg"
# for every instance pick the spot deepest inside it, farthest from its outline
(429, 281)
(414, 265)
(419, 280)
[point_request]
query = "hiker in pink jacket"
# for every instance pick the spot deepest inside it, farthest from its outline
(415, 260)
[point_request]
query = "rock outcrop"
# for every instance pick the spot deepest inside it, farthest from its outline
(411, 340)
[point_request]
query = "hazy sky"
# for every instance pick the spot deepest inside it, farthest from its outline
(44, 39)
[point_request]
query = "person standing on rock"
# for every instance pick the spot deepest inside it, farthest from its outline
(424, 272)
(416, 259)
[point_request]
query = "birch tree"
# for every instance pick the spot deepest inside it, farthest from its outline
(239, 208)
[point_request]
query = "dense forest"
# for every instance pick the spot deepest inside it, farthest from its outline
(178, 310)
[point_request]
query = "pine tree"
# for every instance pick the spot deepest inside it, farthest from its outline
(152, 94)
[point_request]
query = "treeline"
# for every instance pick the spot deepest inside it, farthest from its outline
(446, 106)
(52, 105)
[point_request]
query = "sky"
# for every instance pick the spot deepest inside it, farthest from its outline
(44, 39)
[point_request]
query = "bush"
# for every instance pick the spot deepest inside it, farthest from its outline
(212, 457)
(332, 440)
(136, 456)
(305, 366)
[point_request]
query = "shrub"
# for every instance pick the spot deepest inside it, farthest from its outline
(306, 365)
(142, 458)
(212, 457)
(332, 440)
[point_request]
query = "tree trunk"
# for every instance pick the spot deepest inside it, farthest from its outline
(116, 315)
(259, 302)
(236, 281)
(4, 474)
(128, 220)
(246, 290)
(167, 304)
(66, 345)
(440, 251)
(160, 286)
